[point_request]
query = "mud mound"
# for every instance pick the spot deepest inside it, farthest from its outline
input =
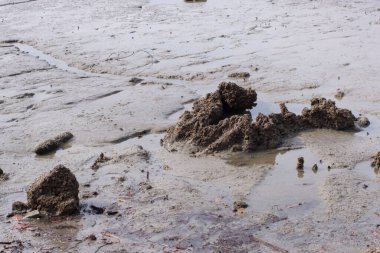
(53, 144)
(55, 192)
(325, 114)
(235, 98)
(220, 121)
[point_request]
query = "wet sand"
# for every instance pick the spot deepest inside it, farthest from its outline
(67, 66)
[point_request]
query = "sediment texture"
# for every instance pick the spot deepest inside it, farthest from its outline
(220, 121)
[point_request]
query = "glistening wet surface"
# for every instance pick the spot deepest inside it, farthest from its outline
(287, 190)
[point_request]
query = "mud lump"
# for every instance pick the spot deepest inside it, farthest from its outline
(220, 121)
(55, 192)
(53, 144)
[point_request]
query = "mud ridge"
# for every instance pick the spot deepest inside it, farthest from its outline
(220, 121)
(138, 134)
(26, 72)
(93, 98)
(13, 3)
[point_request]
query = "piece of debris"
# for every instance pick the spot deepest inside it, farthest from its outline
(53, 144)
(91, 237)
(339, 95)
(101, 159)
(35, 214)
(135, 80)
(243, 75)
(300, 170)
(97, 210)
(3, 176)
(376, 161)
(145, 186)
(55, 192)
(294, 205)
(239, 205)
(89, 194)
(112, 210)
(121, 179)
(363, 121)
(25, 95)
(315, 168)
(19, 207)
(300, 162)
(220, 121)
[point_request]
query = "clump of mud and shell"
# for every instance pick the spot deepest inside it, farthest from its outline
(189, 126)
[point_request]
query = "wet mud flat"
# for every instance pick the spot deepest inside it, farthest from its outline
(118, 76)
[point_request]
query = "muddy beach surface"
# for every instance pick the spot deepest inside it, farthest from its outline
(118, 75)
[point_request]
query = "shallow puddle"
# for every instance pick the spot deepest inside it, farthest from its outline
(286, 189)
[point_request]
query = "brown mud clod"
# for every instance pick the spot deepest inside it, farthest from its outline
(3, 176)
(376, 162)
(220, 121)
(101, 159)
(19, 207)
(55, 192)
(239, 205)
(363, 121)
(243, 75)
(52, 145)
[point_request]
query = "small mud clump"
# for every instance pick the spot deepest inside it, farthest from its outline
(376, 161)
(51, 145)
(220, 121)
(315, 168)
(363, 121)
(135, 80)
(25, 95)
(19, 207)
(300, 169)
(243, 75)
(3, 176)
(339, 95)
(239, 205)
(300, 163)
(55, 192)
(101, 159)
